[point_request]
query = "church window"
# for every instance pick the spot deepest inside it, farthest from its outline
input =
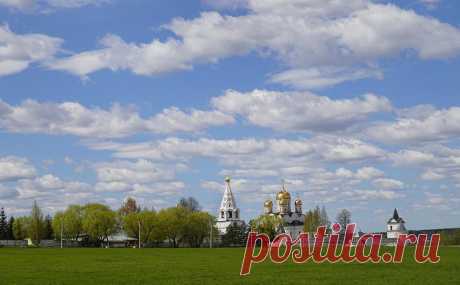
(391, 228)
(236, 215)
(229, 214)
(222, 214)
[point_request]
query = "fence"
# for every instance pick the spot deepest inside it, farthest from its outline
(13, 243)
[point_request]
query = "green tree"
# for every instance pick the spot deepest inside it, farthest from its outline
(48, 228)
(10, 228)
(312, 220)
(267, 224)
(171, 222)
(3, 225)
(235, 235)
(73, 221)
(147, 221)
(99, 222)
(196, 228)
(58, 225)
(21, 228)
(37, 225)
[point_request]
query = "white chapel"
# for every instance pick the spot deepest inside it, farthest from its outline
(228, 211)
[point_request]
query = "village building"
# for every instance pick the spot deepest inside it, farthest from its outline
(395, 226)
(228, 211)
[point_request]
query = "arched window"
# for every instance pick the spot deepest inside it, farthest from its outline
(229, 214)
(222, 214)
(236, 215)
(391, 228)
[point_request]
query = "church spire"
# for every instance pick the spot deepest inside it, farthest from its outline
(228, 201)
(396, 215)
(228, 212)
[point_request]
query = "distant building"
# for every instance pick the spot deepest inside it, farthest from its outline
(395, 226)
(292, 221)
(228, 212)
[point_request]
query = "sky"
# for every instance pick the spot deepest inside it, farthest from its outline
(354, 104)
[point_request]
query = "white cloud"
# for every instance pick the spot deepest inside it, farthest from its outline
(7, 193)
(47, 5)
(440, 124)
(388, 184)
(412, 157)
(320, 36)
(141, 171)
(300, 111)
(50, 186)
(249, 151)
(431, 175)
(369, 172)
(316, 78)
(17, 52)
(372, 194)
(14, 168)
(118, 121)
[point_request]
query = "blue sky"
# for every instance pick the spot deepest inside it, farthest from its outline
(353, 103)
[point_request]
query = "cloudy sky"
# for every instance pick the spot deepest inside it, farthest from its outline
(353, 103)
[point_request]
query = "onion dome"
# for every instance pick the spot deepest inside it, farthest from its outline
(268, 203)
(298, 202)
(283, 195)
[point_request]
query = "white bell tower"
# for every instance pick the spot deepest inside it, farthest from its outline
(228, 212)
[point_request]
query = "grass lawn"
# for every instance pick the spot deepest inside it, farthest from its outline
(207, 266)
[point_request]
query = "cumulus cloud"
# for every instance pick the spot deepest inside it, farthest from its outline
(7, 193)
(300, 111)
(118, 121)
(140, 171)
(324, 42)
(14, 168)
(248, 151)
(47, 5)
(436, 125)
(388, 184)
(48, 185)
(316, 78)
(17, 52)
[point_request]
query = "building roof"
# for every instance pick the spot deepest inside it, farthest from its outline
(228, 201)
(396, 218)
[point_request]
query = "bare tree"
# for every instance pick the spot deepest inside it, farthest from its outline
(190, 204)
(343, 218)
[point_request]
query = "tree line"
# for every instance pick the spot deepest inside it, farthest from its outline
(94, 223)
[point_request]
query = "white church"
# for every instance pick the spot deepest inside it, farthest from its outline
(291, 221)
(395, 226)
(228, 211)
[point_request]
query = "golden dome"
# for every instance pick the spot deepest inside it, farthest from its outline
(268, 203)
(283, 195)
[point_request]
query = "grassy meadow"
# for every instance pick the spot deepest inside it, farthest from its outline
(84, 266)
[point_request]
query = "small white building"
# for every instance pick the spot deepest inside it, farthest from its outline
(228, 212)
(395, 226)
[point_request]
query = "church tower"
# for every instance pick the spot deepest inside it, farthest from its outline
(395, 226)
(228, 212)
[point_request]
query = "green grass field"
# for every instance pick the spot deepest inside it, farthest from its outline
(206, 266)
